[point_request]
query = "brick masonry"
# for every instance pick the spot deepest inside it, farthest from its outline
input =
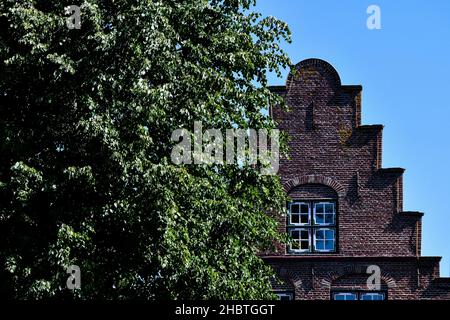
(334, 156)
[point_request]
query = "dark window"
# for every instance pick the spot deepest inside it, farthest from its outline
(301, 239)
(312, 226)
(299, 213)
(285, 295)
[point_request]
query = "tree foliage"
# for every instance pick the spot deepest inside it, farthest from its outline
(86, 179)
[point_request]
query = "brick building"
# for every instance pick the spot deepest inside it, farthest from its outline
(346, 213)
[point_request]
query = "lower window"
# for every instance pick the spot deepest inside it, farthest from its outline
(358, 295)
(372, 296)
(284, 295)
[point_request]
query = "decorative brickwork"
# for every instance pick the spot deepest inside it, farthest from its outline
(333, 156)
(314, 179)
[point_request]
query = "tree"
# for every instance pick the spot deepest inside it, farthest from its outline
(86, 176)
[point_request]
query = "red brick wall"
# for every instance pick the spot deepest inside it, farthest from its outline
(333, 156)
(327, 140)
(316, 278)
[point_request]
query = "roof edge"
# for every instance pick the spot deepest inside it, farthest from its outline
(412, 213)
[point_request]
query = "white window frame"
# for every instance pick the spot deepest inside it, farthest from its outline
(346, 294)
(299, 214)
(371, 294)
(324, 214)
(315, 240)
(285, 294)
(309, 240)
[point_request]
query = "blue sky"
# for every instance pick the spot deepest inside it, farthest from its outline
(404, 69)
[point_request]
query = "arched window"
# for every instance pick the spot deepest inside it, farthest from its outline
(312, 219)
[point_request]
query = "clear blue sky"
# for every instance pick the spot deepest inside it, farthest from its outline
(404, 69)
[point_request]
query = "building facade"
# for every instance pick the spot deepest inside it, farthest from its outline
(351, 239)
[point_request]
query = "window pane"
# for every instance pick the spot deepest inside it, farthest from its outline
(299, 213)
(320, 219)
(320, 234)
(351, 296)
(372, 296)
(324, 213)
(329, 208)
(320, 245)
(324, 240)
(304, 234)
(344, 296)
(304, 219)
(304, 244)
(329, 234)
(304, 208)
(329, 218)
(301, 239)
(319, 208)
(329, 245)
(379, 297)
(284, 296)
